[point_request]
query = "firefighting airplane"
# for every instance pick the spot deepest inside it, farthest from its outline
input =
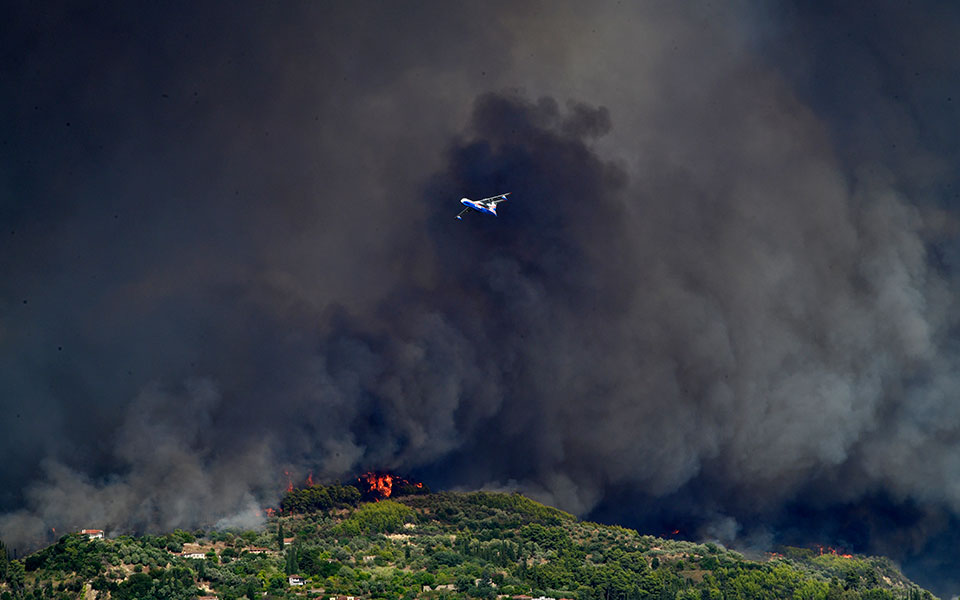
(487, 205)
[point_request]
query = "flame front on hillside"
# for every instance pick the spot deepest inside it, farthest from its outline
(383, 485)
(833, 551)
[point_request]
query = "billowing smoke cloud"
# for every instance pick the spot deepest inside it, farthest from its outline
(709, 304)
(171, 475)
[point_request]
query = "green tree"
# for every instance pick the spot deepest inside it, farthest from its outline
(277, 583)
(15, 576)
(292, 565)
(184, 537)
(344, 495)
(136, 587)
(252, 588)
(3, 561)
(378, 517)
(280, 534)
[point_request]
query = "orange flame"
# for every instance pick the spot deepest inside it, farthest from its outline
(834, 552)
(381, 484)
(310, 479)
(289, 481)
(376, 486)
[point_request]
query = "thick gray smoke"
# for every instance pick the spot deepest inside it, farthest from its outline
(170, 476)
(710, 301)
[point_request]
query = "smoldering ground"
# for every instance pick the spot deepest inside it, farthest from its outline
(706, 305)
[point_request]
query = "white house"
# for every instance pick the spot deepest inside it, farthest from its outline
(92, 534)
(194, 551)
(296, 580)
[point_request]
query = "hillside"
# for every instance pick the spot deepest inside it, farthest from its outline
(436, 546)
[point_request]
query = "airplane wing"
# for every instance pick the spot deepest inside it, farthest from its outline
(497, 198)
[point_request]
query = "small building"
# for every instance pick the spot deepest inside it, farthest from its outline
(296, 580)
(257, 550)
(92, 534)
(287, 541)
(195, 551)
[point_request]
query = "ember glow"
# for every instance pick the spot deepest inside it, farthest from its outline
(833, 551)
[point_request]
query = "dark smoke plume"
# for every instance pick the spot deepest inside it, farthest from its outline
(773, 334)
(720, 299)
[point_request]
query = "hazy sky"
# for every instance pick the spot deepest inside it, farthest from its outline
(722, 297)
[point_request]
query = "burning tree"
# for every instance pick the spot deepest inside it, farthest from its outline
(376, 486)
(368, 487)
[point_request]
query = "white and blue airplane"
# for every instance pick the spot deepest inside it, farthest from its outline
(487, 205)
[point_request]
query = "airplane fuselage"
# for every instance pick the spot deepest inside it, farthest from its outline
(484, 205)
(490, 209)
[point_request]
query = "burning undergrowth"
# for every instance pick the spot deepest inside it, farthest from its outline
(376, 486)
(368, 487)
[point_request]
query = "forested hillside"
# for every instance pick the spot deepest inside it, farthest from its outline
(327, 543)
